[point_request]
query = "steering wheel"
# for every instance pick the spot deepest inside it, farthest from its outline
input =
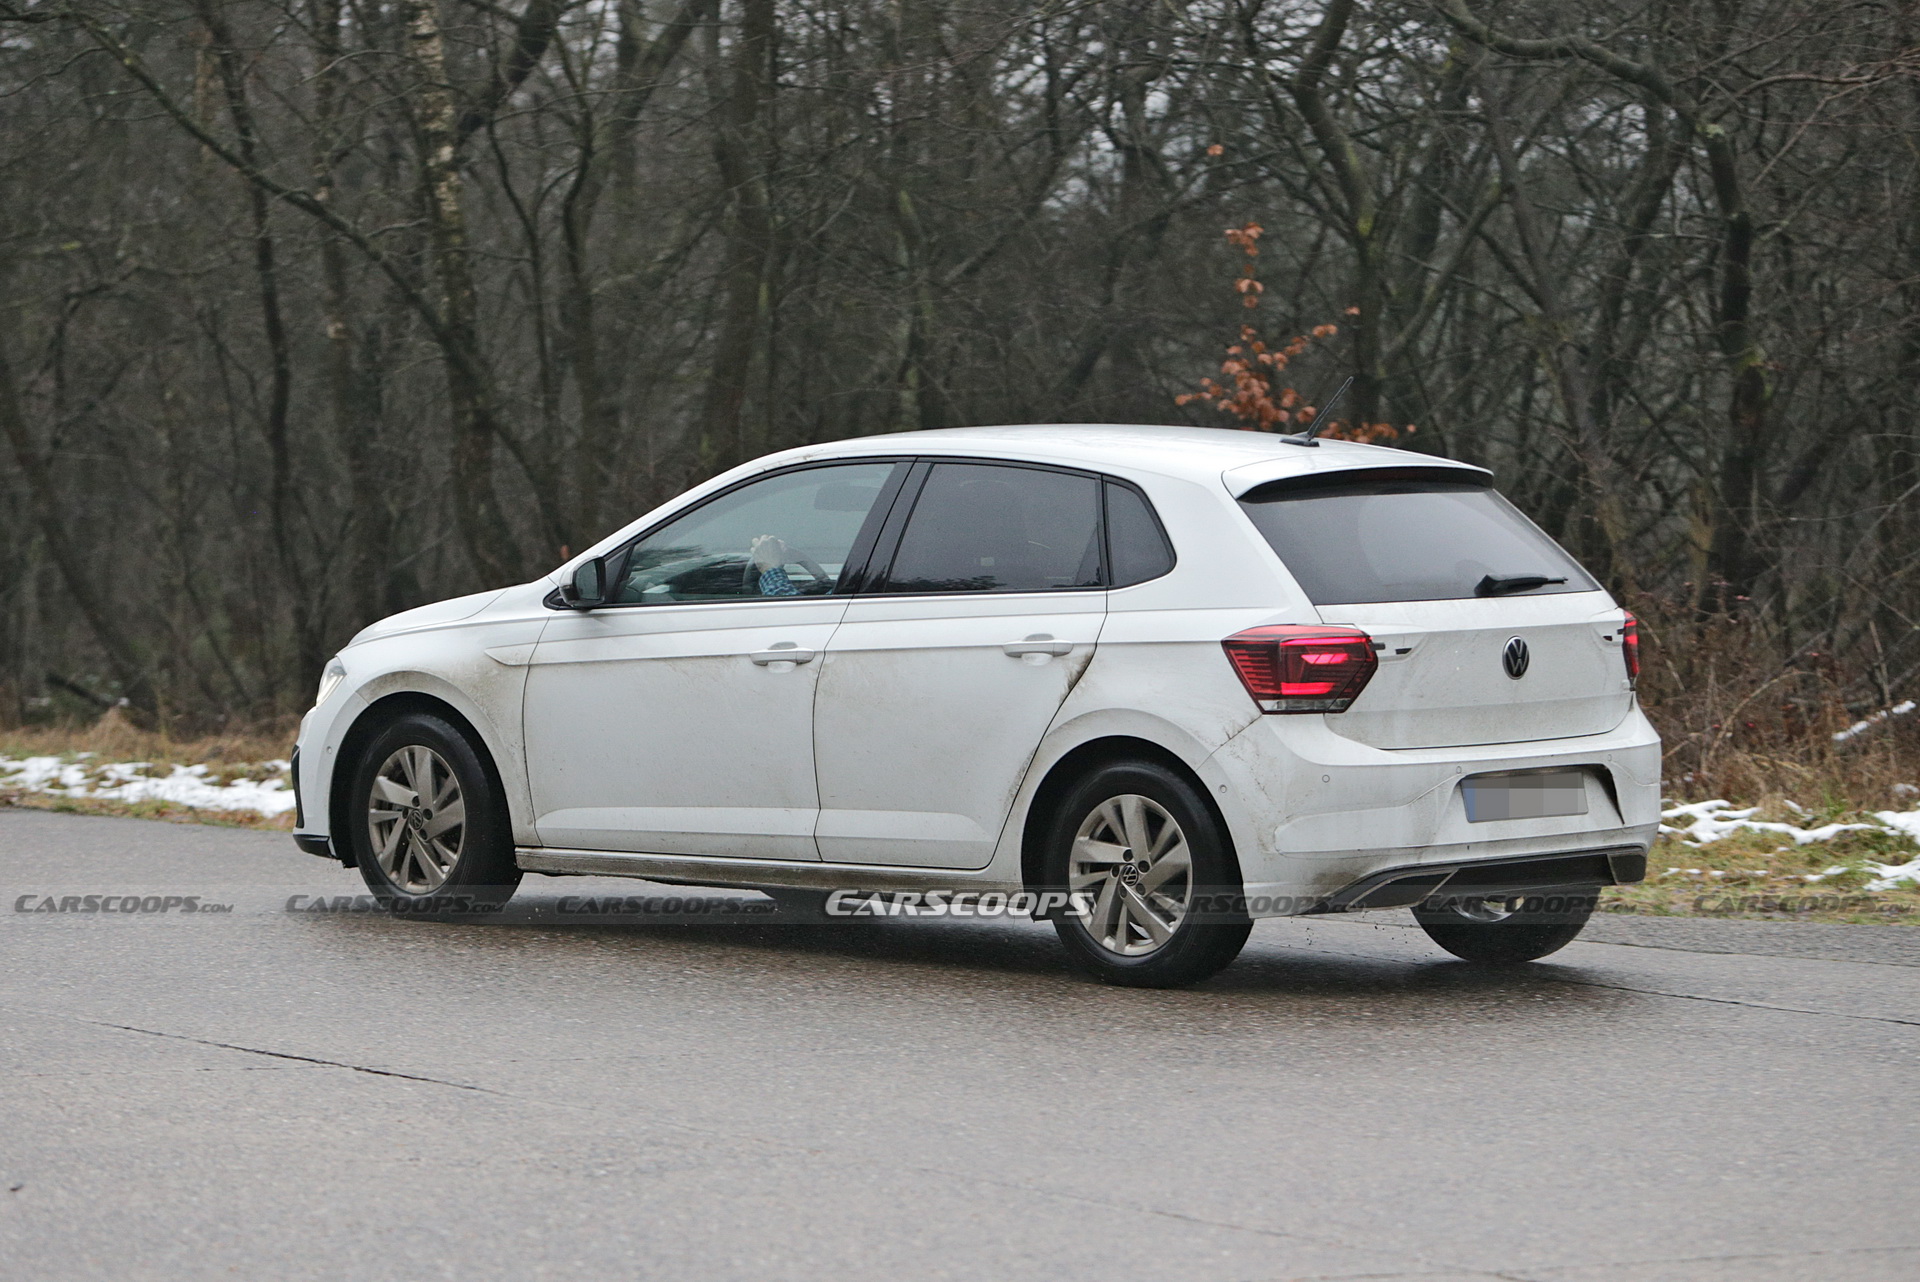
(750, 577)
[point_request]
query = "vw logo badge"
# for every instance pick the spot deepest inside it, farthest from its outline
(1515, 658)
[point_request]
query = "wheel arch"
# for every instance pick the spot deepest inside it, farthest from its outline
(377, 716)
(1075, 765)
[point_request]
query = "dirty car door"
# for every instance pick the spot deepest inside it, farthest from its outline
(943, 677)
(679, 718)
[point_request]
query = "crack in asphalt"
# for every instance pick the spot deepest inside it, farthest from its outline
(1735, 952)
(1736, 1001)
(1673, 948)
(1660, 992)
(285, 1055)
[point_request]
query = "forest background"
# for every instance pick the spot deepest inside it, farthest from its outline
(314, 310)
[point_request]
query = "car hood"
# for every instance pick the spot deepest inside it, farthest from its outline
(438, 614)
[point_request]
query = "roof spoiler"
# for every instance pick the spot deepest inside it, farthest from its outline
(1247, 483)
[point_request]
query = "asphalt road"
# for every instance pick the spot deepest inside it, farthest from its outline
(274, 1094)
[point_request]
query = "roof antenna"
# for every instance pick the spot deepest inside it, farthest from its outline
(1319, 418)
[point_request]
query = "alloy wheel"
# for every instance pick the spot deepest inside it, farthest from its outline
(1131, 856)
(416, 817)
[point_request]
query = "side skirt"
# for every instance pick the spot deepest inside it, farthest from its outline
(752, 874)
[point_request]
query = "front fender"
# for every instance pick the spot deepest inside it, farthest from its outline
(478, 670)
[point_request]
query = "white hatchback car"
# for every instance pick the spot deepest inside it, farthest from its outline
(1156, 681)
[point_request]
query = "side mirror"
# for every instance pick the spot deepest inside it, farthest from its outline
(589, 586)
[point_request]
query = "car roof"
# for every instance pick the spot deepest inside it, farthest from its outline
(1204, 454)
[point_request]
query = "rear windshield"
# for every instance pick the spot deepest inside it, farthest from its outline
(1408, 540)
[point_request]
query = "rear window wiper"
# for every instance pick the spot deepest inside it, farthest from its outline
(1501, 584)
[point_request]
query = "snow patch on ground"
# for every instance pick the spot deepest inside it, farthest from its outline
(1887, 876)
(1712, 820)
(144, 781)
(1862, 726)
(1709, 821)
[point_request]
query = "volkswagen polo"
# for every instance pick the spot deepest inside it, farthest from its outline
(1157, 681)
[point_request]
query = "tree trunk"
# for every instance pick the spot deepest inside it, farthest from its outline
(724, 436)
(86, 593)
(280, 491)
(483, 527)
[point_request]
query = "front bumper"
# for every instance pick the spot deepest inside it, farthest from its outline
(313, 755)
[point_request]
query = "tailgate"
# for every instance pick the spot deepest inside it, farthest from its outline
(1444, 681)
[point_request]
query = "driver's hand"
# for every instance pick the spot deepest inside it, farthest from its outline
(770, 553)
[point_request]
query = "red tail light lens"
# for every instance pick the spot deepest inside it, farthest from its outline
(1302, 669)
(1630, 646)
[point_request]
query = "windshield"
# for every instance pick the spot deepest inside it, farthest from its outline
(1408, 540)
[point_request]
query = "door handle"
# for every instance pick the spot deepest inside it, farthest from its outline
(1038, 643)
(782, 652)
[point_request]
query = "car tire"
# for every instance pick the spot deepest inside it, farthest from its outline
(1169, 914)
(1516, 929)
(411, 777)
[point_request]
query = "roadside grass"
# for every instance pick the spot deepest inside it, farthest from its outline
(114, 738)
(256, 753)
(1761, 876)
(166, 811)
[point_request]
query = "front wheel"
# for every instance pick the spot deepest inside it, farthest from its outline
(1157, 888)
(428, 828)
(1514, 928)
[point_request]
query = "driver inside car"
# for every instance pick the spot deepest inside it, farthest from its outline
(770, 555)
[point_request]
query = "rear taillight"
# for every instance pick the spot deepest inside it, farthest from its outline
(1630, 646)
(1302, 669)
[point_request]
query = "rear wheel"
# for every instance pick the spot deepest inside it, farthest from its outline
(1141, 850)
(1514, 928)
(428, 827)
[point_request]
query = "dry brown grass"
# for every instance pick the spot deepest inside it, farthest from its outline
(1745, 718)
(114, 738)
(244, 753)
(1748, 719)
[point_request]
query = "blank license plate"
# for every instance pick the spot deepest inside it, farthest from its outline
(1541, 795)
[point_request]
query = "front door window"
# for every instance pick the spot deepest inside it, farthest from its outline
(788, 535)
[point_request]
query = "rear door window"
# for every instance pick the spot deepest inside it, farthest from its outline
(986, 527)
(1350, 542)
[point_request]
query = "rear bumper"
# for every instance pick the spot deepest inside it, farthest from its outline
(1314, 814)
